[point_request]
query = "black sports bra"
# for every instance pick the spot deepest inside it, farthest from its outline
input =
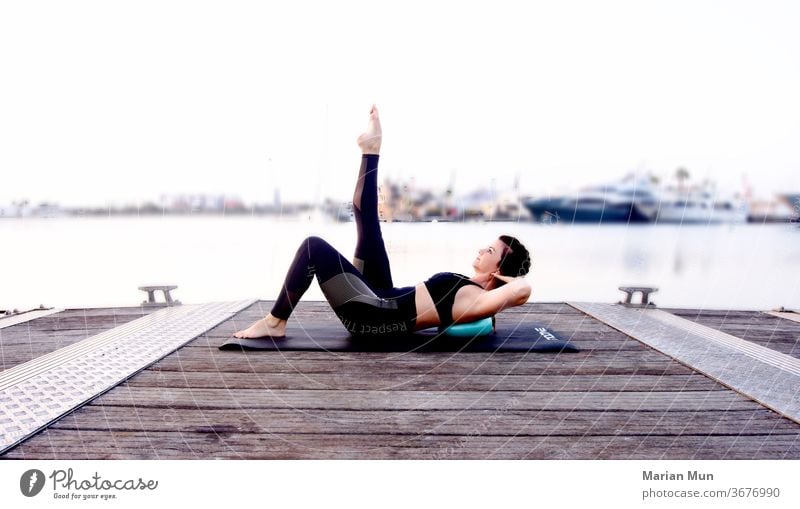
(443, 287)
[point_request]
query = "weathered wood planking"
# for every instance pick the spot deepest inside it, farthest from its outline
(497, 422)
(61, 444)
(26, 341)
(374, 365)
(760, 328)
(615, 399)
(428, 382)
(345, 399)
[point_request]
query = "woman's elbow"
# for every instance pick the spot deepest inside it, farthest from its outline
(524, 294)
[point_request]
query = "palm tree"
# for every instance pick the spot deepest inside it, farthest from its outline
(682, 175)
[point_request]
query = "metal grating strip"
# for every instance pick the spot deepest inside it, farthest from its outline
(38, 392)
(27, 317)
(790, 315)
(766, 376)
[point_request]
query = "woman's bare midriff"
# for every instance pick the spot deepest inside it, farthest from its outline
(427, 316)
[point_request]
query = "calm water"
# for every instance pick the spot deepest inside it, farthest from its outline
(88, 262)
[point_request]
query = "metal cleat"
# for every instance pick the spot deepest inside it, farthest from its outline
(644, 290)
(151, 299)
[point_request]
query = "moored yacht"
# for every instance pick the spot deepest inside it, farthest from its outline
(638, 200)
(609, 203)
(694, 206)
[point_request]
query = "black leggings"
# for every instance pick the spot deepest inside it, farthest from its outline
(364, 298)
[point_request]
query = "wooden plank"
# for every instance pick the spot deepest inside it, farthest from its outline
(375, 366)
(433, 382)
(421, 400)
(105, 311)
(31, 337)
(78, 319)
(64, 445)
(499, 422)
(710, 312)
(79, 322)
(27, 316)
(751, 317)
(760, 328)
(743, 318)
(759, 320)
(792, 316)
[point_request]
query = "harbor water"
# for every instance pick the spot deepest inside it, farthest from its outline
(100, 262)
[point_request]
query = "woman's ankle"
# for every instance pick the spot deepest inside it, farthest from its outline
(274, 321)
(370, 146)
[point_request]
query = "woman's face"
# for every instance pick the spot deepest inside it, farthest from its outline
(488, 259)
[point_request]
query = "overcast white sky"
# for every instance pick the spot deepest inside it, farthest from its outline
(124, 101)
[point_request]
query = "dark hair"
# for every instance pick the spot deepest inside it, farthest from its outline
(515, 260)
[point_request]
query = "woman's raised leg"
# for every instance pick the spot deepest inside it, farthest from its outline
(370, 254)
(366, 277)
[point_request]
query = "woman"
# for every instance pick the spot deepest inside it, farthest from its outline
(362, 293)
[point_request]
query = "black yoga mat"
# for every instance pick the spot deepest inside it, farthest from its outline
(527, 337)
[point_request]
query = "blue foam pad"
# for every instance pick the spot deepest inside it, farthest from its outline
(480, 327)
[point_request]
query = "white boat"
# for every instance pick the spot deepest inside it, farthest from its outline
(694, 206)
(21, 209)
(610, 203)
(792, 200)
(639, 200)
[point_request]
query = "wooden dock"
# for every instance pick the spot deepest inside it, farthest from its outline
(616, 399)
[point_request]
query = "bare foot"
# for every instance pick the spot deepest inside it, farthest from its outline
(268, 326)
(370, 140)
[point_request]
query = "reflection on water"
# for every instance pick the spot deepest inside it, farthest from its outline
(101, 261)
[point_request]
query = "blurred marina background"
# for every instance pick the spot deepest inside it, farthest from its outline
(633, 199)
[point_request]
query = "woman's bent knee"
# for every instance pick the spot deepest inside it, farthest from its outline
(313, 242)
(316, 248)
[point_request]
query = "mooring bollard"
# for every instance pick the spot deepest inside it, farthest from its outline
(151, 299)
(644, 290)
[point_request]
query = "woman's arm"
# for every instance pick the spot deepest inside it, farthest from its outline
(515, 292)
(506, 279)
